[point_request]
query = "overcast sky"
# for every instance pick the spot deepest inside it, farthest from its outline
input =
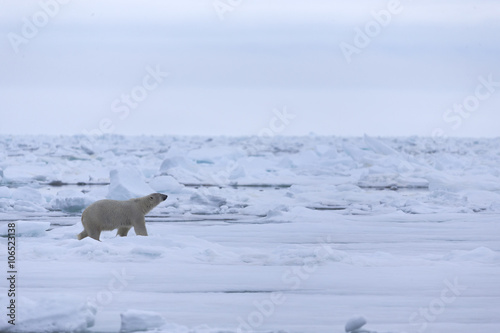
(250, 67)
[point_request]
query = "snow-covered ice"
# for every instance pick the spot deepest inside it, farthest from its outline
(26, 228)
(283, 234)
(355, 323)
(54, 313)
(133, 321)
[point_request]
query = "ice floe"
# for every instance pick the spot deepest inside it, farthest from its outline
(334, 226)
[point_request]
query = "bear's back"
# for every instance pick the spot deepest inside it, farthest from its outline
(107, 209)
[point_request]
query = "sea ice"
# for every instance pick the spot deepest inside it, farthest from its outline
(127, 183)
(26, 229)
(355, 323)
(25, 173)
(71, 201)
(166, 184)
(53, 314)
(481, 254)
(379, 147)
(28, 194)
(5, 192)
(295, 236)
(135, 320)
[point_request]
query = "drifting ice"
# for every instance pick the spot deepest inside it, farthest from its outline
(354, 324)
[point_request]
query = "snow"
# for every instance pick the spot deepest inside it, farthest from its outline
(127, 183)
(26, 229)
(55, 313)
(70, 201)
(166, 184)
(283, 234)
(355, 323)
(134, 320)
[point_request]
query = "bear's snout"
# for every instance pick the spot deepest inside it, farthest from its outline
(164, 197)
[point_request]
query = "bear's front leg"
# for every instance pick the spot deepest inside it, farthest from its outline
(123, 231)
(140, 228)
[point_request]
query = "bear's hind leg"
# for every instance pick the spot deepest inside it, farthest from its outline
(123, 231)
(82, 235)
(95, 234)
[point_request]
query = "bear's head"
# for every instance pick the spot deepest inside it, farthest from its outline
(152, 200)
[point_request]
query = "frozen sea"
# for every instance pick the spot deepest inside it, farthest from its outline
(283, 234)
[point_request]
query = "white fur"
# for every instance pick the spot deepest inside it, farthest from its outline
(121, 215)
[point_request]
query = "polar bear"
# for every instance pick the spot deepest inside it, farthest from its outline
(121, 215)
